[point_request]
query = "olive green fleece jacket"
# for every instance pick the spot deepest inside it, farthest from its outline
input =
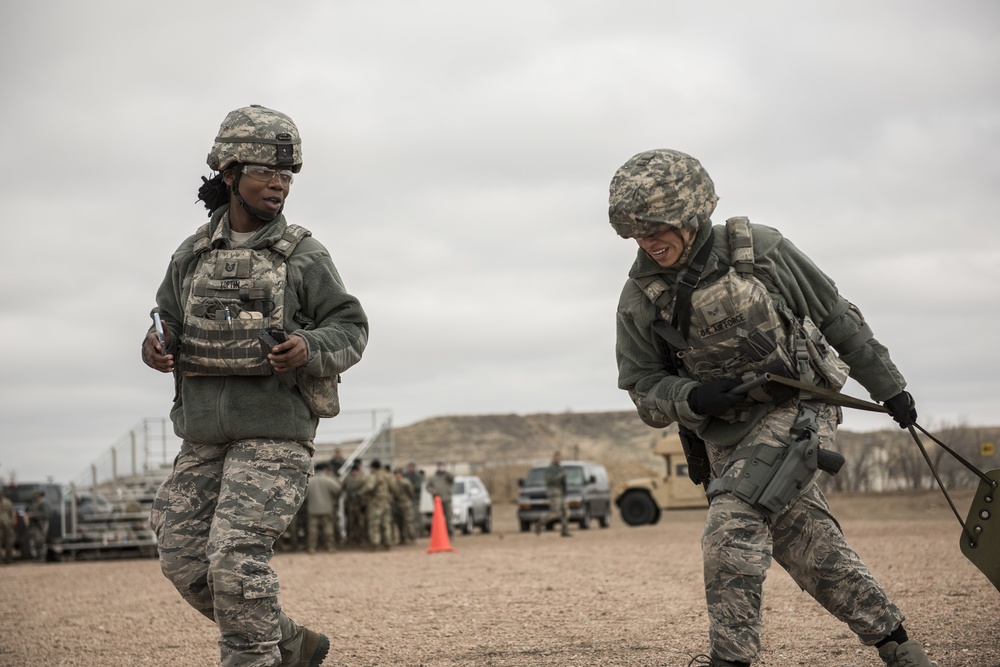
(790, 278)
(221, 409)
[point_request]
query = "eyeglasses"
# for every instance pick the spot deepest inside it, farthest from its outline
(264, 174)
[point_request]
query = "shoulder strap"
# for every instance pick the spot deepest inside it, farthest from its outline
(285, 246)
(740, 245)
(203, 240)
(687, 283)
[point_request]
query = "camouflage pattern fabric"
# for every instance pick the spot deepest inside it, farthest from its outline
(354, 510)
(441, 485)
(416, 480)
(256, 135)
(738, 544)
(403, 503)
(557, 508)
(216, 518)
(378, 504)
(7, 529)
(38, 528)
(555, 489)
(659, 189)
(320, 525)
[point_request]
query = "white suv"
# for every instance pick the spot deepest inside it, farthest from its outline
(471, 505)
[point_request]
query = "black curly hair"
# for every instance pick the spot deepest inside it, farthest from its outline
(213, 192)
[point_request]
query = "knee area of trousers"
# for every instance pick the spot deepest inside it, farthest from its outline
(731, 563)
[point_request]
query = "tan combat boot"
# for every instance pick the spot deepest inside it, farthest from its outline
(908, 654)
(310, 652)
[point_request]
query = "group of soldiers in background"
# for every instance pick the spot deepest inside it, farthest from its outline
(36, 517)
(381, 507)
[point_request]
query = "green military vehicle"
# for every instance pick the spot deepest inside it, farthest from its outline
(641, 501)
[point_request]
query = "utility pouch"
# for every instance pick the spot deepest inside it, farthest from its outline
(791, 476)
(696, 454)
(772, 476)
(321, 394)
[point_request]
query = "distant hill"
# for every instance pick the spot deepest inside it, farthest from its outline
(512, 438)
(501, 448)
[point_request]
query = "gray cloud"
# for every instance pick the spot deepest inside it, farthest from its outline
(457, 158)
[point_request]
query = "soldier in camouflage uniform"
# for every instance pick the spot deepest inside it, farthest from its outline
(416, 479)
(323, 503)
(555, 492)
(354, 507)
(7, 519)
(377, 493)
(247, 416)
(440, 485)
(402, 500)
(38, 526)
(705, 309)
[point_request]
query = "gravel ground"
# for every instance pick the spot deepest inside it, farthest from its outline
(618, 596)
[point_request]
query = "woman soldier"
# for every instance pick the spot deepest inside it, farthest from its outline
(256, 328)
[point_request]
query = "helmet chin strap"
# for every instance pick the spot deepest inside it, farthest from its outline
(260, 214)
(693, 224)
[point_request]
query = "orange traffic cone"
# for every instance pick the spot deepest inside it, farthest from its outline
(439, 529)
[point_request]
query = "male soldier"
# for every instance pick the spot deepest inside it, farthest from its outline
(416, 479)
(354, 506)
(38, 526)
(7, 518)
(403, 501)
(322, 501)
(555, 489)
(377, 492)
(440, 486)
(705, 309)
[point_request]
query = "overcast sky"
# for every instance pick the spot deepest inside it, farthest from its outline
(457, 157)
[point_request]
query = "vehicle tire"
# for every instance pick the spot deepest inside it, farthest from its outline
(469, 524)
(525, 526)
(585, 519)
(637, 508)
(487, 526)
(605, 519)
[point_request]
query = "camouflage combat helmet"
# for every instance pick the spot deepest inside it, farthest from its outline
(657, 189)
(257, 135)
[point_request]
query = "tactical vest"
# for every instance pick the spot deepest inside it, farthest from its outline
(739, 330)
(234, 294)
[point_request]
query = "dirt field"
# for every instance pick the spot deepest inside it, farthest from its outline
(620, 596)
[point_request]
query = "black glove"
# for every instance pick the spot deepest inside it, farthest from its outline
(902, 409)
(713, 398)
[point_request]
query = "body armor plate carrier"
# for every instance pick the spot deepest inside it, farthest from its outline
(739, 330)
(234, 294)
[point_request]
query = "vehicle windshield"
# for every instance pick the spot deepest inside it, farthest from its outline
(458, 489)
(574, 476)
(21, 493)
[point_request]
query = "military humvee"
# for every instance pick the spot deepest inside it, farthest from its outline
(641, 501)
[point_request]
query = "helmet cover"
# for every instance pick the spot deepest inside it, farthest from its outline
(257, 135)
(658, 189)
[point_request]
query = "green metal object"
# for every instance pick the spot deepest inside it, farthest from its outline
(981, 539)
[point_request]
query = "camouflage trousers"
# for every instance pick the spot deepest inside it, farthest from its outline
(321, 524)
(379, 523)
(403, 517)
(216, 518)
(738, 544)
(7, 542)
(38, 533)
(557, 508)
